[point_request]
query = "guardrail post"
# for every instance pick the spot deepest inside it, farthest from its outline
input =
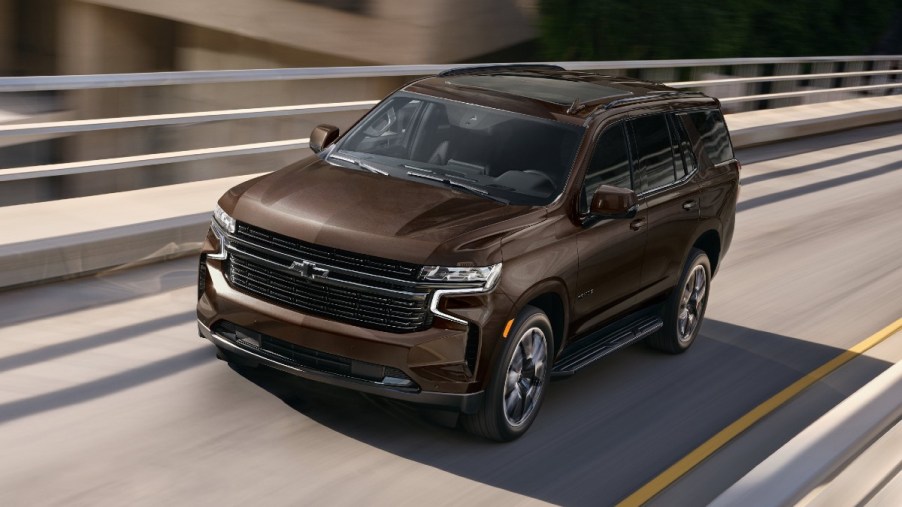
(661, 74)
(752, 88)
(884, 79)
(853, 67)
(823, 68)
(785, 69)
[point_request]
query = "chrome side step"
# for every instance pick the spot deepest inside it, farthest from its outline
(596, 347)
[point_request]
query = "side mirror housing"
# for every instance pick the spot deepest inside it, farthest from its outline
(614, 202)
(322, 136)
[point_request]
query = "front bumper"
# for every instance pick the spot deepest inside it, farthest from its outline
(437, 360)
(466, 402)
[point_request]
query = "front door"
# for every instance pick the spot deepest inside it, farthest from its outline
(610, 250)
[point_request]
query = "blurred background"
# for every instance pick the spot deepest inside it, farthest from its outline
(57, 37)
(106, 389)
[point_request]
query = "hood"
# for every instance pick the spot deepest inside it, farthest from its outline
(378, 215)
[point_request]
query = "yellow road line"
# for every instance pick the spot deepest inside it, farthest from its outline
(702, 452)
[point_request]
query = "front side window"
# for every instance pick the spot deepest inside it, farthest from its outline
(497, 154)
(654, 151)
(610, 164)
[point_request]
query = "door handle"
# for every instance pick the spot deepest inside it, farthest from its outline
(637, 224)
(690, 205)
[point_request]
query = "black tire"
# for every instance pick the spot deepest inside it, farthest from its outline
(674, 337)
(492, 421)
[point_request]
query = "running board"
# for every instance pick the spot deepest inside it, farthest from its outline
(597, 347)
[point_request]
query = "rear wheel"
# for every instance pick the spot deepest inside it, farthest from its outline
(518, 382)
(686, 306)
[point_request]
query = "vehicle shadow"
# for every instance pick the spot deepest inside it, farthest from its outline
(792, 171)
(601, 434)
(816, 187)
(104, 386)
(31, 303)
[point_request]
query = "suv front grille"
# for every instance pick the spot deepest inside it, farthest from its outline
(326, 255)
(261, 263)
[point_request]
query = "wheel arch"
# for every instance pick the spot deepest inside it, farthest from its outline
(709, 242)
(551, 297)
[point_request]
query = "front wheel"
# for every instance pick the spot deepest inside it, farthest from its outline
(686, 306)
(518, 383)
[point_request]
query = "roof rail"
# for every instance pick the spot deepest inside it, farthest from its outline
(655, 95)
(481, 69)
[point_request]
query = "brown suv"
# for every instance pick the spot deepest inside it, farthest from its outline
(474, 235)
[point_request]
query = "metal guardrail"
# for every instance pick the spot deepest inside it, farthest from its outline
(109, 164)
(72, 126)
(97, 81)
(103, 81)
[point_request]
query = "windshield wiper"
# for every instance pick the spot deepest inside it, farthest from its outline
(457, 184)
(362, 165)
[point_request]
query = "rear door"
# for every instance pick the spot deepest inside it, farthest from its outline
(718, 176)
(670, 196)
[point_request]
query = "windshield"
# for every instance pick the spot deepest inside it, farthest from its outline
(495, 154)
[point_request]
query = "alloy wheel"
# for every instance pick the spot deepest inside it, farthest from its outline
(525, 376)
(692, 303)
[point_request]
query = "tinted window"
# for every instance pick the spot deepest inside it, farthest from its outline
(654, 150)
(685, 159)
(610, 163)
(713, 133)
(512, 157)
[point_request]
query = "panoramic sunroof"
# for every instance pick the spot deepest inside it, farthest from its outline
(557, 91)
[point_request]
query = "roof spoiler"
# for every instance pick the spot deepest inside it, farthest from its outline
(488, 69)
(655, 95)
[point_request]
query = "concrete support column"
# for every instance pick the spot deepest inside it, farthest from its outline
(99, 40)
(7, 38)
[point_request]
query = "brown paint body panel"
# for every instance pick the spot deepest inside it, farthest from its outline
(598, 270)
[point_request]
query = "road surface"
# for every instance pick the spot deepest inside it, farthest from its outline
(107, 396)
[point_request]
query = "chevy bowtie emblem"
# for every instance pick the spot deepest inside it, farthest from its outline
(308, 269)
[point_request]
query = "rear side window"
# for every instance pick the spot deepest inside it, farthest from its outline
(713, 133)
(610, 164)
(654, 150)
(685, 159)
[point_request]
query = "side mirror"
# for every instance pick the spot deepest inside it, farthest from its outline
(614, 202)
(322, 136)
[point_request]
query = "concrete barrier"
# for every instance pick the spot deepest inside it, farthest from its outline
(771, 125)
(73, 237)
(809, 468)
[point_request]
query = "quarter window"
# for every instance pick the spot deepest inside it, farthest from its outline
(712, 131)
(654, 151)
(610, 164)
(685, 159)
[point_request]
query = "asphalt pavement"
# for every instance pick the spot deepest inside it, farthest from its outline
(108, 397)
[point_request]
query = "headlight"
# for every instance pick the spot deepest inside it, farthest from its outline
(479, 280)
(482, 275)
(223, 219)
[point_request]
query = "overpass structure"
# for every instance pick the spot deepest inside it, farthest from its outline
(819, 139)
